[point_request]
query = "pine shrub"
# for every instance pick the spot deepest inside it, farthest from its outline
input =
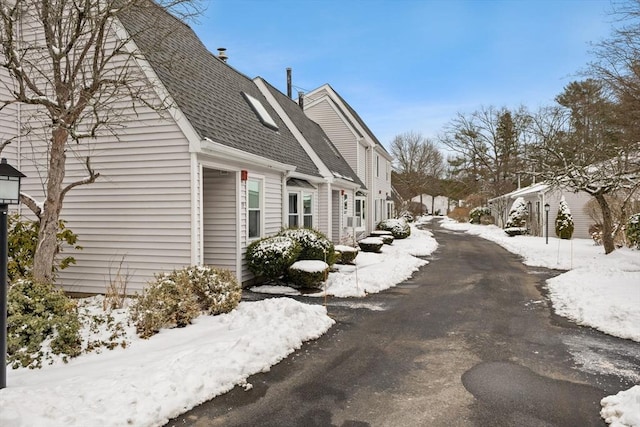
(518, 214)
(39, 313)
(398, 227)
(270, 257)
(633, 230)
(564, 220)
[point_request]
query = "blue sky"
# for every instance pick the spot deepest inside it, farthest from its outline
(411, 65)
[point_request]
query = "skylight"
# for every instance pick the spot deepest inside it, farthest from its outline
(260, 111)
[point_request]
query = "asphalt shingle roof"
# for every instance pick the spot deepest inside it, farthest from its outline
(209, 91)
(315, 136)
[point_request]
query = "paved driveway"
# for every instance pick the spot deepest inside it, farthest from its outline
(470, 340)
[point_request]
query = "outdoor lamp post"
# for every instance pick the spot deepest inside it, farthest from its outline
(9, 195)
(546, 214)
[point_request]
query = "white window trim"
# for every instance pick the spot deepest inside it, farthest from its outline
(301, 214)
(260, 180)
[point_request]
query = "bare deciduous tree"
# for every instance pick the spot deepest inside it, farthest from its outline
(419, 164)
(73, 68)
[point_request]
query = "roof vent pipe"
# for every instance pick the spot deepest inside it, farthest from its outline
(301, 99)
(222, 54)
(289, 94)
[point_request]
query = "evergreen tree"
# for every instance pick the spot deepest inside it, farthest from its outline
(564, 220)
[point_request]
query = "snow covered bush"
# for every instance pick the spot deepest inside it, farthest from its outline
(399, 227)
(564, 220)
(313, 244)
(216, 290)
(477, 215)
(371, 244)
(175, 299)
(518, 214)
(166, 302)
(308, 273)
(346, 254)
(270, 257)
(36, 314)
(386, 236)
(633, 230)
(517, 221)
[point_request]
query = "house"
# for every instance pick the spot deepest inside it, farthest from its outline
(336, 189)
(536, 196)
(362, 151)
(438, 204)
(194, 184)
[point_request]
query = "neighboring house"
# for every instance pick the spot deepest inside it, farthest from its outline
(195, 185)
(361, 149)
(438, 205)
(536, 196)
(335, 190)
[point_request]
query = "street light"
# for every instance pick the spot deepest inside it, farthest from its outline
(546, 212)
(9, 195)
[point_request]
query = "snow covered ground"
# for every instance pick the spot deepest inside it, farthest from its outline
(600, 291)
(154, 380)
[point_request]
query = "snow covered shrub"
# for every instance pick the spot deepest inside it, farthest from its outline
(385, 235)
(308, 273)
(564, 220)
(633, 230)
(38, 313)
(399, 227)
(371, 244)
(476, 215)
(518, 214)
(22, 239)
(166, 302)
(347, 254)
(313, 244)
(270, 257)
(517, 221)
(216, 290)
(175, 299)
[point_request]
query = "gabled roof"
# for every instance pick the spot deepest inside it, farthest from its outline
(343, 105)
(208, 91)
(315, 136)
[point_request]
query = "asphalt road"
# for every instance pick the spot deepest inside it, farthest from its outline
(470, 340)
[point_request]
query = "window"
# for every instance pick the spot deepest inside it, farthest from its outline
(360, 209)
(293, 210)
(345, 204)
(301, 209)
(254, 205)
(307, 210)
(260, 111)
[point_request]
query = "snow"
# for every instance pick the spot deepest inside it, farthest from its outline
(151, 381)
(310, 266)
(371, 241)
(598, 290)
(154, 380)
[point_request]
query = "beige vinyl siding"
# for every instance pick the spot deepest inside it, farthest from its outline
(336, 213)
(336, 129)
(272, 211)
(219, 218)
(323, 209)
(8, 122)
(138, 211)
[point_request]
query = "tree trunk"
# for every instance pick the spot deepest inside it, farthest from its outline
(607, 224)
(44, 258)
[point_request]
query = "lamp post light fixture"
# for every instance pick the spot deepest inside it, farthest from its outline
(9, 195)
(546, 213)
